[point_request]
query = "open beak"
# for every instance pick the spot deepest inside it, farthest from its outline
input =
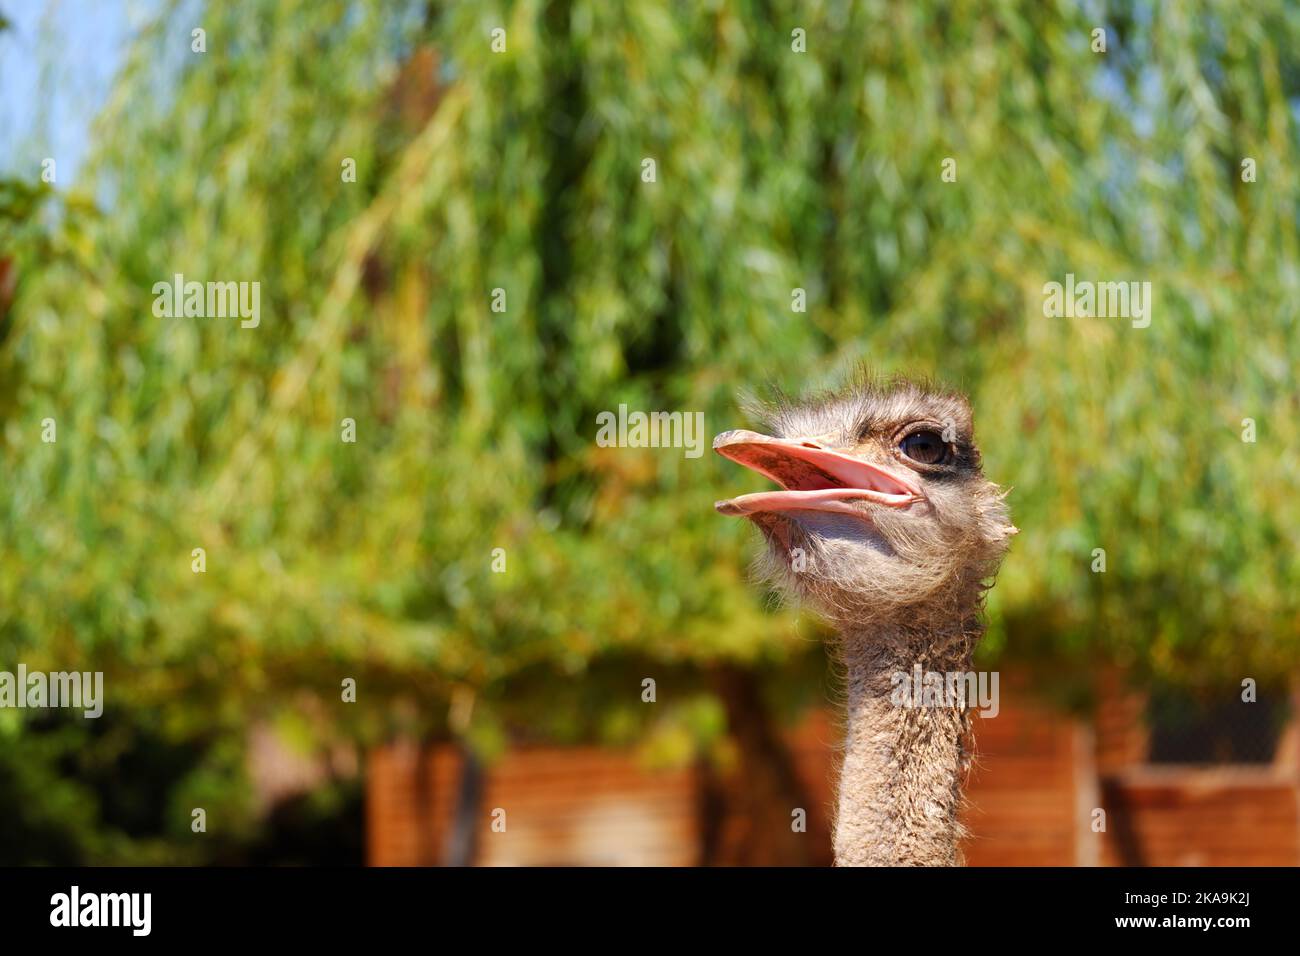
(814, 478)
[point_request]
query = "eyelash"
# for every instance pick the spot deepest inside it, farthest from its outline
(900, 435)
(915, 428)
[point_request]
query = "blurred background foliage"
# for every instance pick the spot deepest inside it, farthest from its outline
(521, 171)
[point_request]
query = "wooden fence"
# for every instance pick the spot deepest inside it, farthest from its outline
(1035, 798)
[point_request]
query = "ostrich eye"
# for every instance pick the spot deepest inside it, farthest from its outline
(926, 447)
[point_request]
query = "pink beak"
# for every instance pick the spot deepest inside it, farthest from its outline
(815, 478)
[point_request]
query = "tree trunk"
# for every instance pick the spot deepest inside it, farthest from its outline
(749, 812)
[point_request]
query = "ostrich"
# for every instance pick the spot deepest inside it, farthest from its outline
(887, 526)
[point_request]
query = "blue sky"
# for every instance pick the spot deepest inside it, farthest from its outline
(57, 62)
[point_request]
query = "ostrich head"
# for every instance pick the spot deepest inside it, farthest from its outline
(884, 516)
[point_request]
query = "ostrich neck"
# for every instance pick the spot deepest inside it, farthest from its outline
(900, 787)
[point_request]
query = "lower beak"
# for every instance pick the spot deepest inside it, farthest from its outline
(814, 478)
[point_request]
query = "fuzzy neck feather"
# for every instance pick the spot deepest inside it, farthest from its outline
(900, 786)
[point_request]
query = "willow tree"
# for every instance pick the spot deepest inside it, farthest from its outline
(477, 226)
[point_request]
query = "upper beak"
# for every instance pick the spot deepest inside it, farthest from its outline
(816, 478)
